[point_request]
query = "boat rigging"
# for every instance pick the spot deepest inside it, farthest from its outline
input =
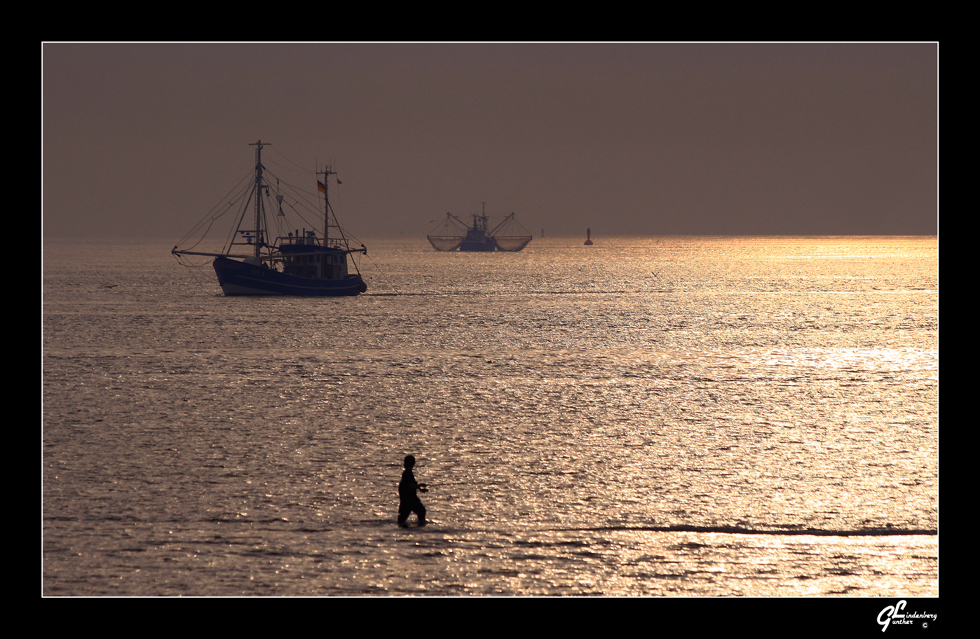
(273, 257)
(453, 234)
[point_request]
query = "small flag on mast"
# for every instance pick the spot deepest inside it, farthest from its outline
(320, 187)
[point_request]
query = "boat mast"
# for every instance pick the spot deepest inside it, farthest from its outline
(257, 241)
(326, 173)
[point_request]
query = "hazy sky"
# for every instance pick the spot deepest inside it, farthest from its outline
(143, 139)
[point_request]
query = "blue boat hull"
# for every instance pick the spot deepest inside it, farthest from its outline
(240, 278)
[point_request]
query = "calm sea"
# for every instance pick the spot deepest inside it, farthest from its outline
(661, 416)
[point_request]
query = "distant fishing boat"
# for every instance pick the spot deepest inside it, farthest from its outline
(454, 234)
(263, 258)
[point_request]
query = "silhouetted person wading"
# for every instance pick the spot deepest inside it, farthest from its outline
(408, 498)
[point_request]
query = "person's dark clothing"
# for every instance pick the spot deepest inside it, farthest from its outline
(409, 501)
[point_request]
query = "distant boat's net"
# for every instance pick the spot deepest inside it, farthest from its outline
(512, 242)
(445, 243)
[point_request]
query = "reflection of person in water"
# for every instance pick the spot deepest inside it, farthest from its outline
(408, 499)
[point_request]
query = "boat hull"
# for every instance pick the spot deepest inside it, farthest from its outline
(240, 278)
(484, 245)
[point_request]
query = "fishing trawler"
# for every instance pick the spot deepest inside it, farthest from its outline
(273, 257)
(454, 234)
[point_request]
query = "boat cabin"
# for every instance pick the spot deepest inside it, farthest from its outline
(303, 256)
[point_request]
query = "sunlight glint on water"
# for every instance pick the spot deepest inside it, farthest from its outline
(646, 416)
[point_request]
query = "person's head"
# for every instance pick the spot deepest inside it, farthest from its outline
(409, 461)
